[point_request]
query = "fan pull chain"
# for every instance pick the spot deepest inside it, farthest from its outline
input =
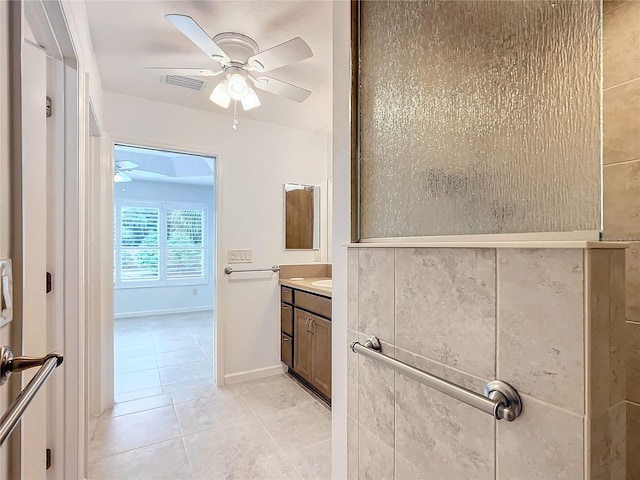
(235, 114)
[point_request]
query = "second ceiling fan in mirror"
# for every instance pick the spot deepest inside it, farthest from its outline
(239, 58)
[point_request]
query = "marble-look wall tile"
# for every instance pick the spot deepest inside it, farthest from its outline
(352, 448)
(617, 374)
(622, 198)
(633, 441)
(375, 292)
(544, 442)
(352, 376)
(609, 5)
(618, 425)
(441, 437)
(375, 457)
(445, 306)
(608, 445)
(621, 105)
(599, 308)
(376, 391)
(633, 361)
(405, 470)
(632, 300)
(352, 288)
(540, 324)
(621, 44)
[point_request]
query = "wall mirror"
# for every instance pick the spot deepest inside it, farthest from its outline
(301, 217)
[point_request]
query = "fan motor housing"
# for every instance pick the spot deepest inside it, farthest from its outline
(239, 47)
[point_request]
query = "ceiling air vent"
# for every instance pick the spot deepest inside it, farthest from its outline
(185, 82)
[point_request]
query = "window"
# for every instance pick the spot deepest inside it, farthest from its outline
(158, 244)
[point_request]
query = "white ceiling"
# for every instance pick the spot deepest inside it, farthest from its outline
(166, 167)
(130, 35)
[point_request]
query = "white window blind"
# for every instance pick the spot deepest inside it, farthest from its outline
(185, 252)
(159, 244)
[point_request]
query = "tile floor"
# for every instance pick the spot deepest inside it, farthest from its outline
(171, 422)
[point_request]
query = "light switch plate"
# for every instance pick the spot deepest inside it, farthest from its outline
(317, 256)
(6, 292)
(240, 256)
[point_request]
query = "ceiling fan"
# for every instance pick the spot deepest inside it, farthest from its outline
(243, 64)
(121, 169)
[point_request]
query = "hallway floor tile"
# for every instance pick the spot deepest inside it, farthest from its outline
(169, 426)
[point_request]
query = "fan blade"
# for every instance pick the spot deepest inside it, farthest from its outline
(120, 177)
(278, 87)
(187, 72)
(198, 36)
(292, 51)
(126, 165)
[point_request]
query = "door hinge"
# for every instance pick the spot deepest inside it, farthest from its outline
(49, 282)
(49, 107)
(49, 461)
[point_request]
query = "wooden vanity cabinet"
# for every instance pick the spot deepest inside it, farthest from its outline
(311, 340)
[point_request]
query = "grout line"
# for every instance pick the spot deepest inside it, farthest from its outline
(496, 357)
(620, 84)
(624, 162)
(611, 10)
(586, 342)
(184, 444)
(284, 455)
(138, 448)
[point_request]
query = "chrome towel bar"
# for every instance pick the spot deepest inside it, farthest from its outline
(9, 364)
(500, 399)
(274, 269)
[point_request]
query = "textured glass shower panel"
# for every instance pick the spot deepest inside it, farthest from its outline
(479, 117)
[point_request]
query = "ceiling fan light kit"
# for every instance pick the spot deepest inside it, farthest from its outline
(238, 56)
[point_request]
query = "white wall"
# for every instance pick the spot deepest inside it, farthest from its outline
(341, 227)
(253, 164)
(130, 301)
(5, 192)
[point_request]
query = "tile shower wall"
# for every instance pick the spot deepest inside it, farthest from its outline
(470, 316)
(621, 186)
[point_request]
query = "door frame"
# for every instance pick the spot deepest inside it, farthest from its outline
(218, 322)
(66, 423)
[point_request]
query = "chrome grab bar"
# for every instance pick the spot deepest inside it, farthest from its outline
(274, 269)
(500, 399)
(8, 365)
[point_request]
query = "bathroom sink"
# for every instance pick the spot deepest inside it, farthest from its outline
(322, 283)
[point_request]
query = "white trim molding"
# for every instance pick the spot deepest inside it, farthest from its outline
(240, 377)
(167, 311)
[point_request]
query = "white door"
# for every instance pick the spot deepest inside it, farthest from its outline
(33, 250)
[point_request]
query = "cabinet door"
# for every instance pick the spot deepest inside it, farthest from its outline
(321, 355)
(302, 349)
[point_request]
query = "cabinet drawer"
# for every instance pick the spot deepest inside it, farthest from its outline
(286, 319)
(314, 303)
(286, 294)
(286, 350)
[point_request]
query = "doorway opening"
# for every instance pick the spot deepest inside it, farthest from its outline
(164, 275)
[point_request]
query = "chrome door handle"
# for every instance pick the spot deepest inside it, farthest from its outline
(311, 324)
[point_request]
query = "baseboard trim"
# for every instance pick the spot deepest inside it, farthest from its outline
(167, 311)
(239, 377)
